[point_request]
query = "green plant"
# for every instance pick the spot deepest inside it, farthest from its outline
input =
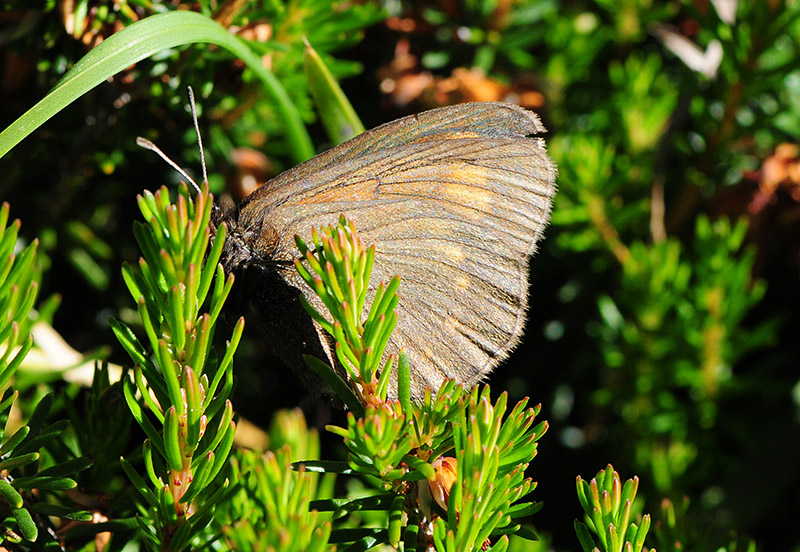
(182, 384)
(608, 505)
(35, 471)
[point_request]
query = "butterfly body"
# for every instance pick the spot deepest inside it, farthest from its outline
(454, 199)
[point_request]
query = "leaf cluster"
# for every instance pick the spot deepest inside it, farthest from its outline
(182, 384)
(608, 505)
(35, 470)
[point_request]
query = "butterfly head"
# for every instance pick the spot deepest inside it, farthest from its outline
(252, 244)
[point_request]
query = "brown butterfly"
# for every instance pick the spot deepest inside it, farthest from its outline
(454, 200)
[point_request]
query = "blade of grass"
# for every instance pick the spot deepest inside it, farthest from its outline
(139, 41)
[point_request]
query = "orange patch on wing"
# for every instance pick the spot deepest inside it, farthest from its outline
(450, 135)
(473, 196)
(455, 254)
(358, 191)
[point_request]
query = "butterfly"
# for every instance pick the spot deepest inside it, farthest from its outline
(454, 200)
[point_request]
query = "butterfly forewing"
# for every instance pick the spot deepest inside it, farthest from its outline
(454, 200)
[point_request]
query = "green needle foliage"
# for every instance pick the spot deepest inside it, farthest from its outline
(341, 267)
(180, 288)
(32, 482)
(492, 451)
(272, 511)
(608, 504)
(19, 287)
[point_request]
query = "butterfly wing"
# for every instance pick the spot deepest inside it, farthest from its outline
(454, 200)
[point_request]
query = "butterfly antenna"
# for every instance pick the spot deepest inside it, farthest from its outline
(147, 144)
(199, 138)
